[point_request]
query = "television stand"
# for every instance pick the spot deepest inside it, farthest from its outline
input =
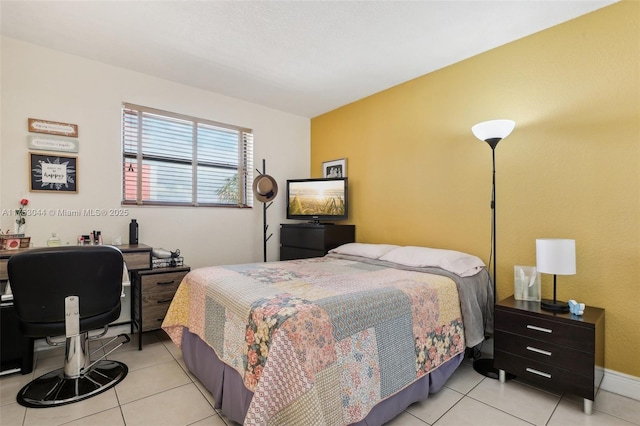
(305, 240)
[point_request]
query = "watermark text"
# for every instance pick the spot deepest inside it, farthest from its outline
(98, 212)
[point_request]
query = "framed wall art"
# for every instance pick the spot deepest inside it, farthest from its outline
(335, 168)
(53, 173)
(52, 143)
(53, 127)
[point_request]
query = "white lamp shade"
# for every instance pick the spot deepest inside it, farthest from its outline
(494, 129)
(556, 256)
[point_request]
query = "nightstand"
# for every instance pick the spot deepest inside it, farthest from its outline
(558, 351)
(152, 293)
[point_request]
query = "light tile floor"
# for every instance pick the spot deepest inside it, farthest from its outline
(160, 391)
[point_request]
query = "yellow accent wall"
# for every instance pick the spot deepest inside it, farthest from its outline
(570, 169)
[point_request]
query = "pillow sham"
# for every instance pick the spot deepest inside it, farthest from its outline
(370, 251)
(461, 264)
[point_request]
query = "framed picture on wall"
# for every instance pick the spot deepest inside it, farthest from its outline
(53, 173)
(335, 168)
(53, 127)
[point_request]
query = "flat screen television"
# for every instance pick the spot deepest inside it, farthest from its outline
(318, 200)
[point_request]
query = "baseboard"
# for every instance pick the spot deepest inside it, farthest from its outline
(621, 384)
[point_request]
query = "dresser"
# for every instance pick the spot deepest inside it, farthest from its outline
(304, 240)
(556, 351)
(152, 293)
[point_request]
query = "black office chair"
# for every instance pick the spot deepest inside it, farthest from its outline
(69, 291)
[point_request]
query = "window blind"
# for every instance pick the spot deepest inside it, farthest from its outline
(174, 159)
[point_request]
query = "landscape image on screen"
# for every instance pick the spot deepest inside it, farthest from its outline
(317, 198)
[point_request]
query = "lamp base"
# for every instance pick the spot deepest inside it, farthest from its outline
(554, 306)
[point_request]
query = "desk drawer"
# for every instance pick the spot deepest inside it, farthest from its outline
(137, 260)
(4, 275)
(166, 282)
(154, 308)
(153, 316)
(555, 332)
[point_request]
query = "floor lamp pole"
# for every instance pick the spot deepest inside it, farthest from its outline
(493, 220)
(491, 132)
(485, 366)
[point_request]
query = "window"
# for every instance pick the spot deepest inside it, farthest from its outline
(173, 159)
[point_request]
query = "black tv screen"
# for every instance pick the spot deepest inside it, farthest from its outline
(315, 200)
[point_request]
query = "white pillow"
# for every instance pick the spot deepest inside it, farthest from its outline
(462, 264)
(371, 251)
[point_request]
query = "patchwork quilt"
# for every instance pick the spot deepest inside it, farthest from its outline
(322, 340)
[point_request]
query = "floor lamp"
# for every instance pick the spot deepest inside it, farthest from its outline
(492, 132)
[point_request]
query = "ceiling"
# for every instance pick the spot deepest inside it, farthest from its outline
(302, 57)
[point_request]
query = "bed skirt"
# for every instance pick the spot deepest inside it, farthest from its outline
(232, 398)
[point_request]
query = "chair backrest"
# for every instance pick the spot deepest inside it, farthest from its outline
(42, 278)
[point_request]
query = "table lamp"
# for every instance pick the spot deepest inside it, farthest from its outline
(558, 257)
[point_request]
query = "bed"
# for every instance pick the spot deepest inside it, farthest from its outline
(354, 337)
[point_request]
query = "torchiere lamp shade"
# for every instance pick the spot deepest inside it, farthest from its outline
(493, 129)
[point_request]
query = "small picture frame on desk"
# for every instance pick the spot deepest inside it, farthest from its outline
(12, 244)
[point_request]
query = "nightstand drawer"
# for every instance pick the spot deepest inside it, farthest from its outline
(546, 375)
(549, 330)
(543, 351)
(162, 282)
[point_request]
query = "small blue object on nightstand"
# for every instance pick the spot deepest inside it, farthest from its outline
(576, 308)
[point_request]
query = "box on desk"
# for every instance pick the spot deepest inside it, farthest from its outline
(168, 262)
(14, 241)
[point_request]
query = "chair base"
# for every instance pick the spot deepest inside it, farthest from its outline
(54, 389)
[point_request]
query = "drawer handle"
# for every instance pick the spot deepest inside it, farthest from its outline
(165, 301)
(162, 319)
(539, 373)
(540, 351)
(533, 327)
(166, 282)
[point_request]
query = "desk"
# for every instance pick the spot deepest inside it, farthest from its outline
(136, 256)
(17, 350)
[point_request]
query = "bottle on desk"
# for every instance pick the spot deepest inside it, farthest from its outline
(133, 232)
(54, 241)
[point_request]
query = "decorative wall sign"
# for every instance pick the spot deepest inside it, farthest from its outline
(53, 128)
(53, 173)
(335, 168)
(53, 143)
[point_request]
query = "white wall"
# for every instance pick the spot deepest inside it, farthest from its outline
(47, 84)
